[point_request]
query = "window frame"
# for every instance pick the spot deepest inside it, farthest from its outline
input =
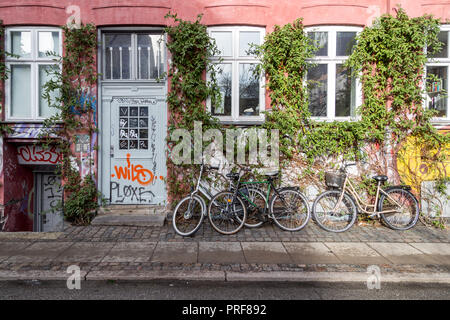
(439, 62)
(331, 61)
(34, 61)
(236, 60)
(133, 54)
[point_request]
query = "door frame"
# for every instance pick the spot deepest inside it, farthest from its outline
(100, 83)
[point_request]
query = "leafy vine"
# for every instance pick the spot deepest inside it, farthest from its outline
(69, 92)
(389, 58)
(191, 49)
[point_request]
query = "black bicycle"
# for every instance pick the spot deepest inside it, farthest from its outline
(287, 207)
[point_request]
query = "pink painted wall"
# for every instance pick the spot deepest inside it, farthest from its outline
(264, 13)
(216, 12)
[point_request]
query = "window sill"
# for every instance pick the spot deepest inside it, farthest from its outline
(245, 121)
(337, 119)
(440, 122)
(162, 82)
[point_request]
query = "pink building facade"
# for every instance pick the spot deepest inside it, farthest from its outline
(130, 107)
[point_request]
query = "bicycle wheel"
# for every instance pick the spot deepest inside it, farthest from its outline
(227, 216)
(405, 207)
(255, 202)
(289, 210)
(188, 215)
(331, 217)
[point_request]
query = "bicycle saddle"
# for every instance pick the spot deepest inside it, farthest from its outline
(271, 174)
(232, 175)
(380, 178)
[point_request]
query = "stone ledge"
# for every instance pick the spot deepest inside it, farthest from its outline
(137, 220)
(157, 275)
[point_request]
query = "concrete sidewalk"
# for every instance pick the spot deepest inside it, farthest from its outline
(225, 261)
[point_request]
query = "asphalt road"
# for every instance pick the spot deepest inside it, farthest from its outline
(108, 290)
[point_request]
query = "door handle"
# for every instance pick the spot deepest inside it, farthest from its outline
(111, 151)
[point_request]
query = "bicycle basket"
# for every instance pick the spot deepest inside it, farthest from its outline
(334, 180)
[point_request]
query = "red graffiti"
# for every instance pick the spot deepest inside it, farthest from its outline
(36, 154)
(134, 173)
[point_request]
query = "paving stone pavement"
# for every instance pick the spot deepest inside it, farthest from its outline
(267, 233)
(104, 251)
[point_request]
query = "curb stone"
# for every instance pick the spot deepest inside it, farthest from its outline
(231, 276)
(43, 275)
(348, 277)
(157, 275)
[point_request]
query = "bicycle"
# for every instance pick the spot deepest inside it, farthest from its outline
(336, 210)
(191, 210)
(288, 207)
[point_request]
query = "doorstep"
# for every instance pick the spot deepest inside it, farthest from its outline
(131, 215)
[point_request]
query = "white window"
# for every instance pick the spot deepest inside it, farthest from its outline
(36, 49)
(243, 94)
(333, 94)
(132, 56)
(437, 96)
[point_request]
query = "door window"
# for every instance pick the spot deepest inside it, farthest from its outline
(132, 56)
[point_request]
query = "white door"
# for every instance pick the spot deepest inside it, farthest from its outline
(133, 118)
(137, 153)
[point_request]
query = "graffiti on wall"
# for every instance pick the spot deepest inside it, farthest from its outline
(52, 191)
(34, 154)
(84, 148)
(86, 99)
(25, 131)
(121, 192)
(414, 168)
(134, 173)
(20, 208)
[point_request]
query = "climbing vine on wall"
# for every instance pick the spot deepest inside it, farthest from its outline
(389, 58)
(284, 58)
(69, 92)
(190, 48)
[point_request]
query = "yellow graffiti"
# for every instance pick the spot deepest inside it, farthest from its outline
(414, 168)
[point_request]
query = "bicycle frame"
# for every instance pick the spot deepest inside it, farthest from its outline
(199, 188)
(370, 209)
(270, 186)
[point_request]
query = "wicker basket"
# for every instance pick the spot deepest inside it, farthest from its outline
(334, 180)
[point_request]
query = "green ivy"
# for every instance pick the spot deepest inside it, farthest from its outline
(284, 59)
(388, 58)
(191, 49)
(67, 92)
